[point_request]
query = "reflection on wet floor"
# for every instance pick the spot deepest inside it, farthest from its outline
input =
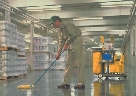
(47, 86)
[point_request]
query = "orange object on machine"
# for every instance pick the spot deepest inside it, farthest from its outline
(113, 66)
(97, 58)
(118, 66)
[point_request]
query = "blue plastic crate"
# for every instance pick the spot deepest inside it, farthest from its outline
(106, 56)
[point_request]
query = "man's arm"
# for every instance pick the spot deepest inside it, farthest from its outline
(61, 44)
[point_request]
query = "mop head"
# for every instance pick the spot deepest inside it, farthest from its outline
(25, 87)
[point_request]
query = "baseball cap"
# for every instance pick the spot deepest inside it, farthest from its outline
(53, 19)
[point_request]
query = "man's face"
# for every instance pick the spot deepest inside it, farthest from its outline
(56, 24)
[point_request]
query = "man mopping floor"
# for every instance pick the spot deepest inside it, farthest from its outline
(70, 39)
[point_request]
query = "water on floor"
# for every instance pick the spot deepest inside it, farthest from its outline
(47, 86)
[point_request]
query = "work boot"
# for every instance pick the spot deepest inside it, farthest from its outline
(64, 86)
(79, 87)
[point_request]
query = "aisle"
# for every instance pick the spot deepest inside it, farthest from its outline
(47, 86)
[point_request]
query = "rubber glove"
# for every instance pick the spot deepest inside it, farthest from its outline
(58, 55)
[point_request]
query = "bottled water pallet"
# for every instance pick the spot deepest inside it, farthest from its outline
(21, 56)
(39, 69)
(6, 48)
(8, 77)
(12, 77)
(22, 75)
(42, 52)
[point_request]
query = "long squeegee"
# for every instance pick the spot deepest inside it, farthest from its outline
(32, 86)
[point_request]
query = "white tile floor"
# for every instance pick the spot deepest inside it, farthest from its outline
(47, 86)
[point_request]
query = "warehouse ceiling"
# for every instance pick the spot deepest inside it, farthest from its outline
(95, 18)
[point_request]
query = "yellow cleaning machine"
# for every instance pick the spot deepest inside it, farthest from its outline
(32, 86)
(105, 61)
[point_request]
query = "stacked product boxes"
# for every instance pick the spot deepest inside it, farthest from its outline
(22, 65)
(42, 47)
(8, 34)
(42, 60)
(9, 62)
(59, 64)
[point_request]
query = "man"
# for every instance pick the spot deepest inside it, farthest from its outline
(70, 38)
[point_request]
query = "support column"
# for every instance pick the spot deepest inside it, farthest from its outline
(31, 44)
(7, 14)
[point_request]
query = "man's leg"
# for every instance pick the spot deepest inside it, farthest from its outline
(68, 70)
(78, 54)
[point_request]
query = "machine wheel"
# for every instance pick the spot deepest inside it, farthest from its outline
(100, 80)
(100, 76)
(125, 77)
(106, 78)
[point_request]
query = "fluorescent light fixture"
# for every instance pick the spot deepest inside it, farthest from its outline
(54, 42)
(32, 8)
(110, 0)
(36, 10)
(88, 18)
(53, 9)
(117, 30)
(125, 5)
(37, 35)
(51, 6)
(27, 36)
(118, 3)
(30, 21)
(92, 39)
(95, 42)
(108, 6)
(96, 47)
(26, 48)
(83, 31)
(28, 41)
(43, 7)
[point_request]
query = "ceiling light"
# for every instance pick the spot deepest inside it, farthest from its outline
(32, 8)
(51, 6)
(116, 3)
(88, 18)
(43, 7)
(27, 48)
(28, 41)
(83, 31)
(95, 42)
(116, 30)
(96, 47)
(54, 42)
(36, 10)
(30, 22)
(37, 35)
(108, 6)
(125, 5)
(111, 0)
(53, 9)
(92, 39)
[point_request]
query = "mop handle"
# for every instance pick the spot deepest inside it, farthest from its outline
(47, 70)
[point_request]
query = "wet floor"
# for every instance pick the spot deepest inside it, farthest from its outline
(47, 86)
